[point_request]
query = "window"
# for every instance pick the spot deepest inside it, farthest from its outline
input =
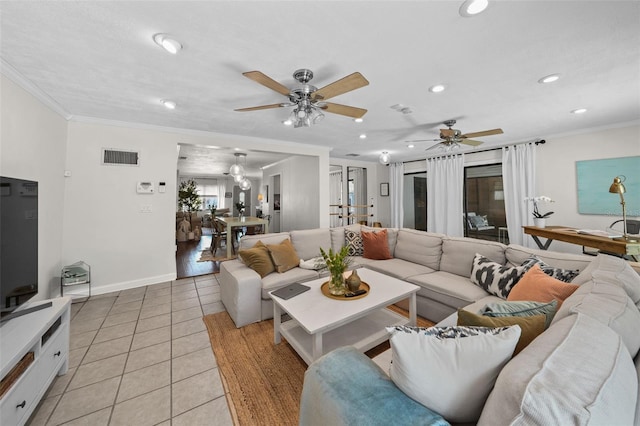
(208, 192)
(415, 201)
(484, 203)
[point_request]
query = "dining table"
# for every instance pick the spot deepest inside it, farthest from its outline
(238, 222)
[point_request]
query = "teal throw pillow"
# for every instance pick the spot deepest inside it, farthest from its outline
(521, 309)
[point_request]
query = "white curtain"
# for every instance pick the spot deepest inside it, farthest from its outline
(396, 192)
(335, 197)
(519, 182)
(445, 185)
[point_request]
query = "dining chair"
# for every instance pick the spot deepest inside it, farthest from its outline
(219, 236)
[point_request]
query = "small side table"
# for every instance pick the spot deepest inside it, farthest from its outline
(77, 274)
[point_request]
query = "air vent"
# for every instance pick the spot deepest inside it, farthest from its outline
(352, 155)
(120, 158)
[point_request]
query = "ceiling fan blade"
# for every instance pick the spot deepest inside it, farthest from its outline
(434, 146)
(484, 133)
(470, 142)
(267, 81)
(349, 111)
(344, 85)
(424, 140)
(256, 108)
(447, 133)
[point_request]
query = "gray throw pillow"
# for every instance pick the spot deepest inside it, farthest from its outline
(521, 309)
(353, 241)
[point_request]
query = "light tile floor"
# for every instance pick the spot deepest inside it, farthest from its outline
(141, 357)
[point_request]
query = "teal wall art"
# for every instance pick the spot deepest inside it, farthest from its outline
(594, 178)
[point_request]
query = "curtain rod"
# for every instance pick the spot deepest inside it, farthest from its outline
(495, 148)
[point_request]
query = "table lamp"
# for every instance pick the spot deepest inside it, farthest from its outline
(617, 187)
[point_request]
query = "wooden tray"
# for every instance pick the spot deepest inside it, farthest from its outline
(363, 286)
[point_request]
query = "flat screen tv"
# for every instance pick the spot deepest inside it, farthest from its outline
(18, 243)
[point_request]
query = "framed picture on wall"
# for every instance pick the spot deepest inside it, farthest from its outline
(384, 189)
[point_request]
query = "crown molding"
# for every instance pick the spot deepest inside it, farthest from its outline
(14, 75)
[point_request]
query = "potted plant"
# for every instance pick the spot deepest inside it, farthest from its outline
(188, 198)
(337, 263)
(539, 219)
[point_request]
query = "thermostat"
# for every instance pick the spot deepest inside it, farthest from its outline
(144, 188)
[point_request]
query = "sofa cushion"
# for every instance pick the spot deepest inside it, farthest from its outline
(284, 256)
(613, 270)
(458, 254)
(353, 241)
(561, 274)
(398, 268)
(521, 309)
(307, 242)
(531, 326)
(608, 304)
(451, 370)
(423, 248)
(516, 255)
(249, 241)
(258, 259)
(537, 286)
(493, 277)
(375, 245)
(577, 372)
(446, 288)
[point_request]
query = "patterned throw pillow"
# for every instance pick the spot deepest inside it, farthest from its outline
(565, 275)
(354, 243)
(458, 388)
(493, 277)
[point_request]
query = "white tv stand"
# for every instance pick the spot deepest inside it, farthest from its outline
(45, 333)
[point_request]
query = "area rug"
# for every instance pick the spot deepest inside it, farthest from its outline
(263, 381)
(207, 256)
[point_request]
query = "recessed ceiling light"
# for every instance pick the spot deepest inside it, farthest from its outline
(384, 158)
(437, 88)
(549, 78)
(473, 7)
(411, 145)
(168, 104)
(358, 120)
(363, 136)
(287, 122)
(579, 111)
(170, 45)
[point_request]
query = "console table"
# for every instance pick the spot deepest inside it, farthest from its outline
(34, 348)
(570, 235)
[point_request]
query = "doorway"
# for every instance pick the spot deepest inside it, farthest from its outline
(277, 206)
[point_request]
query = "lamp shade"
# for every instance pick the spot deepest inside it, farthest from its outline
(617, 187)
(260, 197)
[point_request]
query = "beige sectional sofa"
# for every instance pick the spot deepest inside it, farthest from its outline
(439, 264)
(583, 370)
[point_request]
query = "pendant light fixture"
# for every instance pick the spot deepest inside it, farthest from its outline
(245, 184)
(237, 169)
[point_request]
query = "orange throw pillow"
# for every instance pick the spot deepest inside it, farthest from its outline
(537, 286)
(376, 245)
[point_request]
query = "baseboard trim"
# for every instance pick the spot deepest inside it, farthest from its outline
(126, 285)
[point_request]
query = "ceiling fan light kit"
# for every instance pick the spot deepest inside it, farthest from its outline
(308, 100)
(167, 43)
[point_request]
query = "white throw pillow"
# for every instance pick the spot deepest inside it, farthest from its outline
(450, 370)
(315, 263)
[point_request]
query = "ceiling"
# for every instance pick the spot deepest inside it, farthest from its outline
(98, 60)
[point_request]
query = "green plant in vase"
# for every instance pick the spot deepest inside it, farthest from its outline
(337, 263)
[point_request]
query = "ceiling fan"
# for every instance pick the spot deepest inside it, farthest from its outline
(452, 138)
(308, 100)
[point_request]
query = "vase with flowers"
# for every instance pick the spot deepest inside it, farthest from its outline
(240, 208)
(539, 219)
(337, 263)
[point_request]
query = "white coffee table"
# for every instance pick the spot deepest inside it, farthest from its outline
(320, 324)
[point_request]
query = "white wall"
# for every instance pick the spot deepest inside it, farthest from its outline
(32, 146)
(556, 175)
(103, 222)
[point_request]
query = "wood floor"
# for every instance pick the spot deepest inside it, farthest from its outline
(187, 256)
